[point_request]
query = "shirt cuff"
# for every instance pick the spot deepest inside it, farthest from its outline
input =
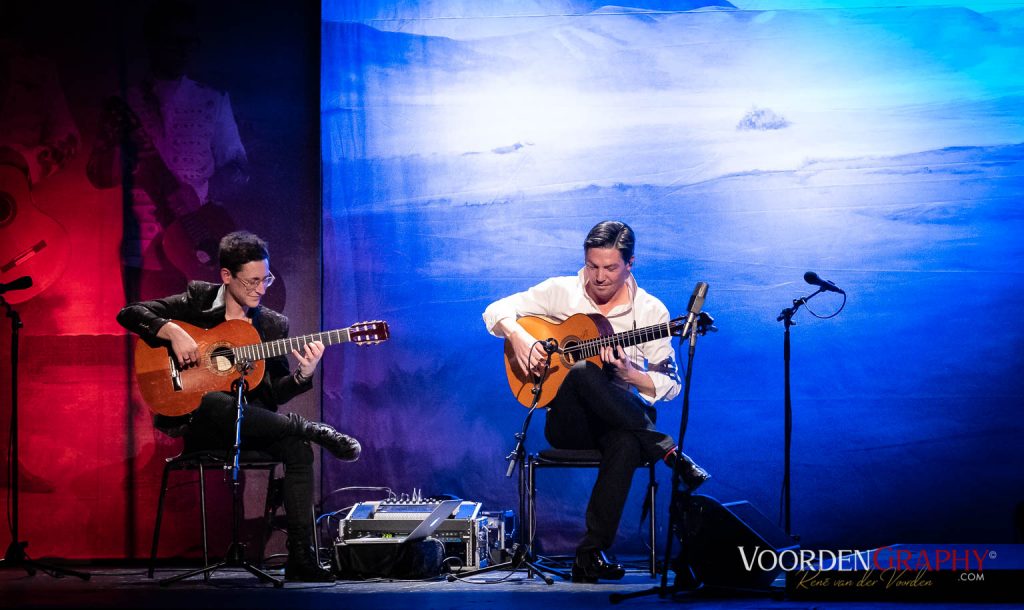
(301, 379)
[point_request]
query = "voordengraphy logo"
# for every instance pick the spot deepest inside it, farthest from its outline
(850, 560)
(990, 572)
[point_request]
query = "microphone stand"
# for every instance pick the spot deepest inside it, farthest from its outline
(235, 556)
(15, 556)
(786, 317)
(522, 555)
(683, 571)
(699, 325)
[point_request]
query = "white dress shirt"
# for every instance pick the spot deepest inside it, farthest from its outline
(561, 297)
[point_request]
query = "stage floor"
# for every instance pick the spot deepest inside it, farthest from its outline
(130, 588)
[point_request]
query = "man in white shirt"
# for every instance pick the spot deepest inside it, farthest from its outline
(597, 408)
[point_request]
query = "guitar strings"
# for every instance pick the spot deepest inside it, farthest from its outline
(278, 347)
(592, 347)
(284, 346)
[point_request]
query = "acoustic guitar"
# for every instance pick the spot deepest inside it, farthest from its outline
(31, 243)
(169, 388)
(580, 337)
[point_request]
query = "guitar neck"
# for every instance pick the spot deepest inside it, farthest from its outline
(628, 338)
(281, 347)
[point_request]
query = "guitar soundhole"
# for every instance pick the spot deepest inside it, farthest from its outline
(570, 353)
(222, 360)
(7, 209)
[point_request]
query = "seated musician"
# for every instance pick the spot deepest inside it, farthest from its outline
(245, 275)
(607, 408)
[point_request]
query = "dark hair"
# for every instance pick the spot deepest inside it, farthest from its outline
(239, 248)
(612, 234)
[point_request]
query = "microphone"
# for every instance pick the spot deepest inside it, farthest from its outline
(700, 292)
(812, 278)
(21, 283)
(550, 345)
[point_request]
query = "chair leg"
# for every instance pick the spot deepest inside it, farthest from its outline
(202, 517)
(268, 516)
(316, 534)
(159, 519)
(652, 492)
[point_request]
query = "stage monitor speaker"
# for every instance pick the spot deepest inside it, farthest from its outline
(711, 534)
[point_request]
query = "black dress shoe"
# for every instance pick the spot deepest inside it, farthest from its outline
(342, 446)
(306, 572)
(591, 566)
(303, 566)
(693, 475)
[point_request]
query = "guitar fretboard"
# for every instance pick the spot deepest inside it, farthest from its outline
(592, 347)
(281, 347)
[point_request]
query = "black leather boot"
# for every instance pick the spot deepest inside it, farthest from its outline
(693, 475)
(341, 446)
(593, 565)
(303, 565)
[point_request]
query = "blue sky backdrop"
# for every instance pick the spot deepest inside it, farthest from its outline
(469, 146)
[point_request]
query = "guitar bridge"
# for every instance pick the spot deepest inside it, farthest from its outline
(175, 374)
(23, 256)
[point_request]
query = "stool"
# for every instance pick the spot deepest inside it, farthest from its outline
(202, 461)
(576, 458)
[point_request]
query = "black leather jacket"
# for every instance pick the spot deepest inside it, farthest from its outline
(195, 306)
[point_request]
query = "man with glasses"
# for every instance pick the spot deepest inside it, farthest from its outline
(245, 278)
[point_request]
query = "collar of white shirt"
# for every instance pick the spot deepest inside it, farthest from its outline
(618, 310)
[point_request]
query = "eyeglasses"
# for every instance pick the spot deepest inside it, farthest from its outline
(254, 283)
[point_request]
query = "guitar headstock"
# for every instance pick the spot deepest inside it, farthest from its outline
(369, 333)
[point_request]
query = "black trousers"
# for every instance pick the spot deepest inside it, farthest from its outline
(591, 412)
(213, 427)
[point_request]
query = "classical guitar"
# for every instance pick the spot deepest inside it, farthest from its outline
(580, 337)
(171, 389)
(31, 243)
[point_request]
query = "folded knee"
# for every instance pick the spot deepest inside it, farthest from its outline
(584, 369)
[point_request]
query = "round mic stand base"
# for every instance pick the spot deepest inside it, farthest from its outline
(522, 554)
(15, 557)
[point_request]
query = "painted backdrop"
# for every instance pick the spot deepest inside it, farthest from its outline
(468, 147)
(90, 459)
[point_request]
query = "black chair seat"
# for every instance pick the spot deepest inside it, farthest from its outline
(586, 458)
(208, 457)
(569, 455)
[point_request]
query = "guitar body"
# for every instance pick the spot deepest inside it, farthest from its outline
(31, 243)
(191, 242)
(171, 390)
(575, 329)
